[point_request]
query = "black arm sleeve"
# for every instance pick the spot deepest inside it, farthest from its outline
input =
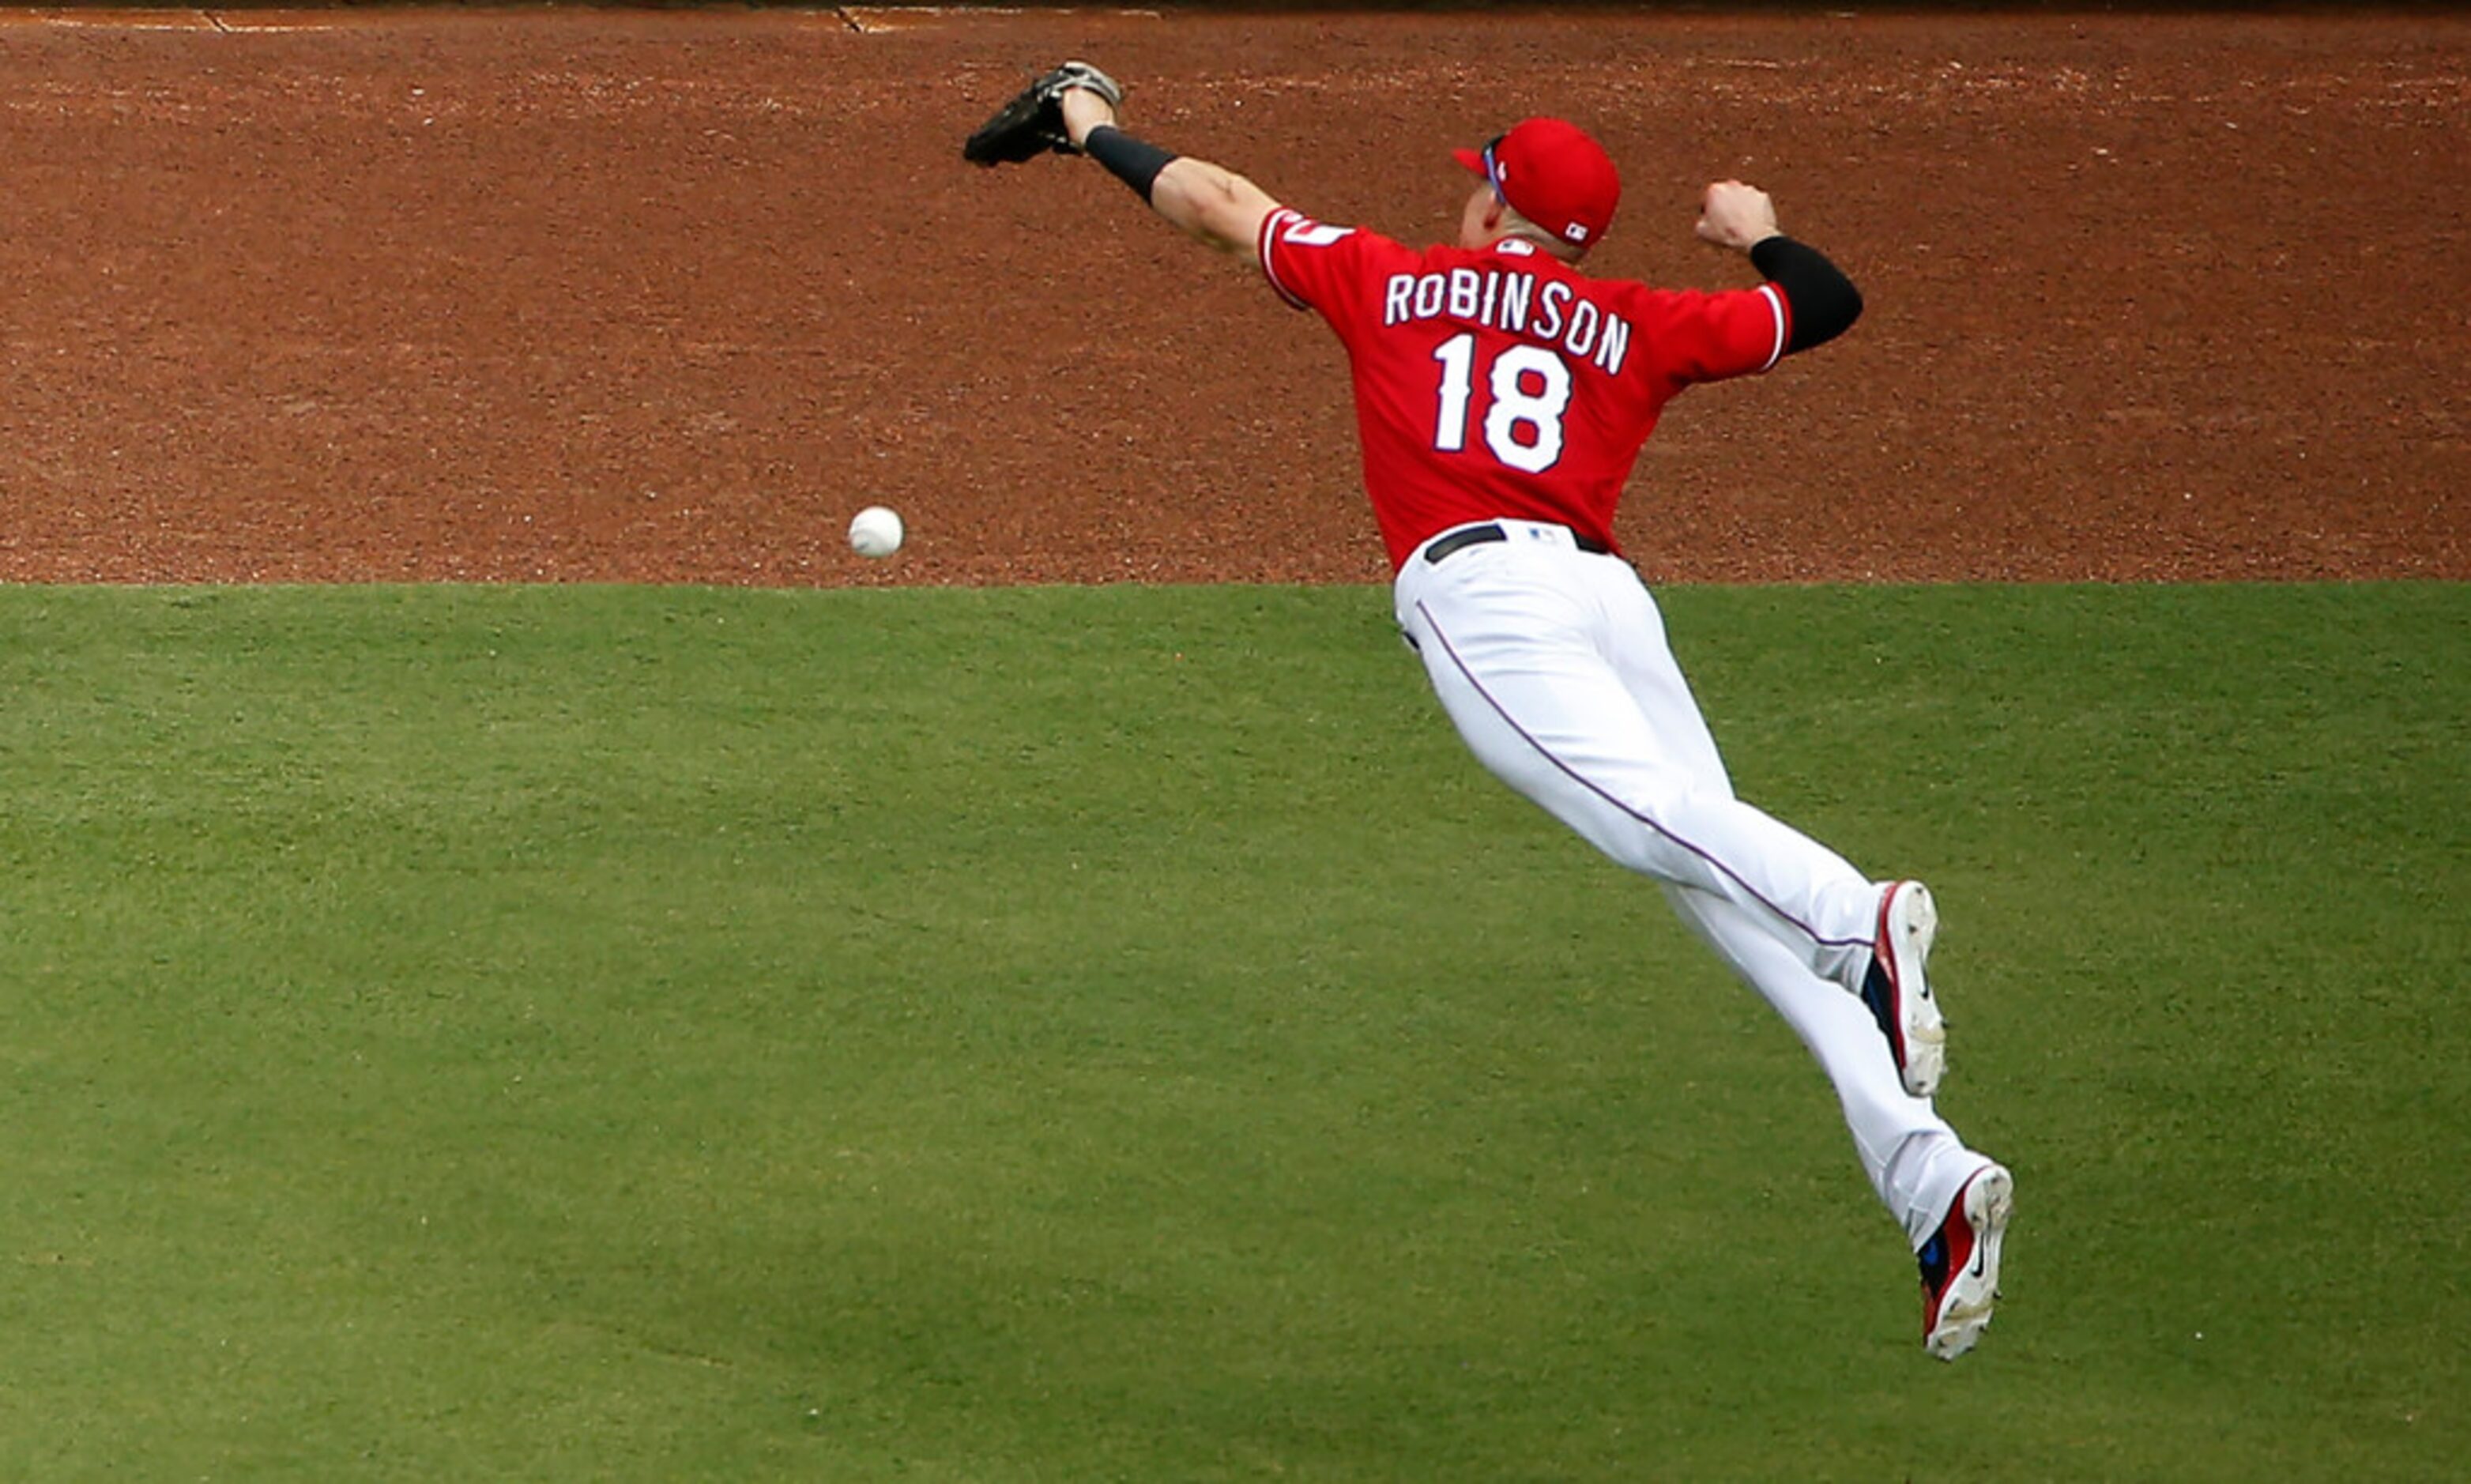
(1136, 162)
(1824, 301)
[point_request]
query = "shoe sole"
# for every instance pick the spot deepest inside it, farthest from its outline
(1910, 924)
(1989, 1202)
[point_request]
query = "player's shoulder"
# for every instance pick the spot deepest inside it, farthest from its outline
(1308, 260)
(1288, 226)
(1643, 299)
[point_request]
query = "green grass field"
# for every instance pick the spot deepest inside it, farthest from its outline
(1116, 1034)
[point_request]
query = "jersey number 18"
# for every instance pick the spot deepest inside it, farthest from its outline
(1531, 389)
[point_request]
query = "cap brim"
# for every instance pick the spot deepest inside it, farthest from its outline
(1473, 159)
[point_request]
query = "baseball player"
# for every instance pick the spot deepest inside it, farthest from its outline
(1502, 396)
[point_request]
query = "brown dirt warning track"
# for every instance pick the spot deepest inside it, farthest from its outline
(664, 296)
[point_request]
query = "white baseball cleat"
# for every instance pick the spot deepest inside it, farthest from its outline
(1897, 992)
(1960, 1262)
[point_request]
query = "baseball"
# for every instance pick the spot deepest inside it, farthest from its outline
(875, 532)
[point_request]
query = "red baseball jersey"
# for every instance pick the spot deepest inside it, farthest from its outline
(1499, 382)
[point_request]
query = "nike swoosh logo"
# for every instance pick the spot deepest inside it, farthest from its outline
(1979, 1254)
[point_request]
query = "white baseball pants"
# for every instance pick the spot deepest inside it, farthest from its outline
(1553, 664)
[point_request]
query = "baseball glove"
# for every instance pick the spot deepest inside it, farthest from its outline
(1032, 123)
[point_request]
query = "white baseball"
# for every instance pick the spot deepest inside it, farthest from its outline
(875, 532)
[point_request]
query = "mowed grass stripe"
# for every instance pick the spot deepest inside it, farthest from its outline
(1116, 1034)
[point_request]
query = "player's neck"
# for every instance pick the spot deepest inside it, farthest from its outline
(1559, 252)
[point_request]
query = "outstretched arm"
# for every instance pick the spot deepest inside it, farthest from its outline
(1208, 202)
(1824, 302)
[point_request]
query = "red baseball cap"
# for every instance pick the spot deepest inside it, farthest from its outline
(1554, 175)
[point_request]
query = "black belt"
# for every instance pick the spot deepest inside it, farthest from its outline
(1466, 536)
